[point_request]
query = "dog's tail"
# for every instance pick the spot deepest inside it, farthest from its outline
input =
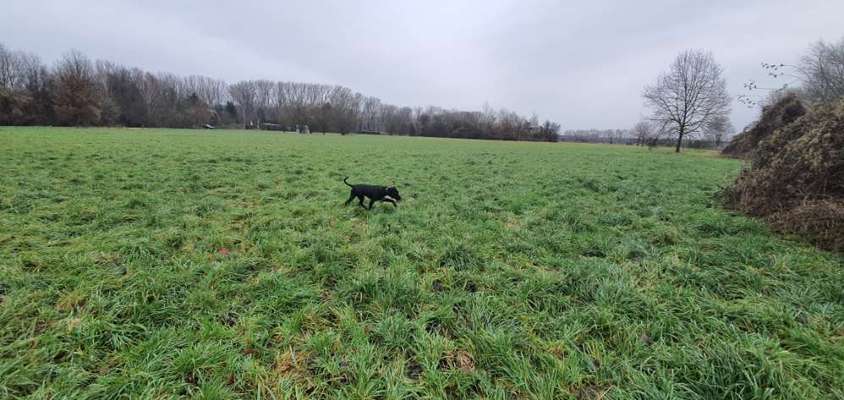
(347, 183)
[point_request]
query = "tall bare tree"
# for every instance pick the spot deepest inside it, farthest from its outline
(245, 95)
(79, 95)
(822, 71)
(13, 65)
(210, 91)
(690, 95)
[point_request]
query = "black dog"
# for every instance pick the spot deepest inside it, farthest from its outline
(374, 193)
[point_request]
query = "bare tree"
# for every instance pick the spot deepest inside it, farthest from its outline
(488, 117)
(550, 131)
(690, 95)
(822, 71)
(245, 95)
(6, 65)
(266, 100)
(345, 108)
(13, 68)
(21, 80)
(718, 129)
(370, 114)
(210, 91)
(78, 93)
(642, 131)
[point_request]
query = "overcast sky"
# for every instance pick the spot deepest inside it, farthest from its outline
(583, 64)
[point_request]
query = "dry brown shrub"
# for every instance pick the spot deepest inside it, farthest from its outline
(774, 116)
(796, 177)
(821, 221)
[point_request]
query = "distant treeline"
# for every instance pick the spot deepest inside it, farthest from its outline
(78, 92)
(629, 137)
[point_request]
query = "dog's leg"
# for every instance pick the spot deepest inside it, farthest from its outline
(360, 201)
(351, 197)
(371, 202)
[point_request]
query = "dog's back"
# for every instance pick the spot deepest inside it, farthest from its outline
(365, 189)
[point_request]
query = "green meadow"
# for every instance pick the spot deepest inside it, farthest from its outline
(158, 263)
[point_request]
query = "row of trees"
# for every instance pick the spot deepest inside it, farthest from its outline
(326, 108)
(79, 92)
(609, 136)
(646, 133)
(714, 134)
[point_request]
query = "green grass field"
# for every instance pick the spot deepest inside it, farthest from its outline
(222, 264)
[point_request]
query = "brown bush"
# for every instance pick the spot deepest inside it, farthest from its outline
(820, 221)
(774, 116)
(796, 177)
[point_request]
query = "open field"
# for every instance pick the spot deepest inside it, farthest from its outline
(222, 264)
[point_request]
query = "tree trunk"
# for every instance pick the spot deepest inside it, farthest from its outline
(679, 139)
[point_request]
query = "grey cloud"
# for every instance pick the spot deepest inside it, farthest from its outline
(580, 63)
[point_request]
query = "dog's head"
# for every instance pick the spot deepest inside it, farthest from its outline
(393, 193)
